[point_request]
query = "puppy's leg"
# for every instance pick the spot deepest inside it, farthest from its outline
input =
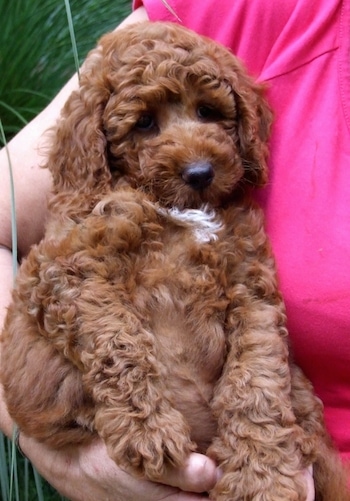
(142, 430)
(43, 390)
(257, 443)
(121, 376)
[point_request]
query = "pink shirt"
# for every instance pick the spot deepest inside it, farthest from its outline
(301, 48)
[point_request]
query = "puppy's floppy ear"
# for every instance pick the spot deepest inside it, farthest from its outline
(254, 119)
(77, 155)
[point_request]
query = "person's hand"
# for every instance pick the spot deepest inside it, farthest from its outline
(87, 473)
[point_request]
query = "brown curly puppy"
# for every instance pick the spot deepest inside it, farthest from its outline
(150, 314)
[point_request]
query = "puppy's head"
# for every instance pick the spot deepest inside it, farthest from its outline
(165, 110)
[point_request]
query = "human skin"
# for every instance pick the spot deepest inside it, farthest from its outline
(84, 473)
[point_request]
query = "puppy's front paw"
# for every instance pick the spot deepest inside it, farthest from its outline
(145, 447)
(265, 486)
(257, 473)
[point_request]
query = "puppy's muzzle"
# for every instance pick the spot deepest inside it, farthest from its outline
(198, 175)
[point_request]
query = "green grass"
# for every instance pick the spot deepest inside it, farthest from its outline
(40, 47)
(36, 53)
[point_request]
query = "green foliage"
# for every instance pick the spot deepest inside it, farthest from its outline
(26, 484)
(36, 54)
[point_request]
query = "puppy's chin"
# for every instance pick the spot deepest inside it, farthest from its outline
(191, 199)
(180, 202)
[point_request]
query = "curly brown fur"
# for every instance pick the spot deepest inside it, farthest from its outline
(150, 313)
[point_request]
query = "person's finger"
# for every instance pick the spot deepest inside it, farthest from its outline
(200, 474)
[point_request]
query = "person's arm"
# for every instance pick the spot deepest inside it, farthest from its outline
(87, 473)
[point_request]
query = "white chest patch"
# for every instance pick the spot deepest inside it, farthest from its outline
(205, 223)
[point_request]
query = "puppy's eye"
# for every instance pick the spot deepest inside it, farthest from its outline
(146, 122)
(209, 113)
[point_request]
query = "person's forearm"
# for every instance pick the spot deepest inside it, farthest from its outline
(26, 152)
(23, 151)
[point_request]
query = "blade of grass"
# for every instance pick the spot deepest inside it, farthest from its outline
(72, 36)
(30, 92)
(38, 484)
(13, 485)
(4, 475)
(14, 490)
(171, 10)
(14, 112)
(13, 204)
(26, 480)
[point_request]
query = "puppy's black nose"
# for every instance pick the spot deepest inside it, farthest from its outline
(198, 175)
